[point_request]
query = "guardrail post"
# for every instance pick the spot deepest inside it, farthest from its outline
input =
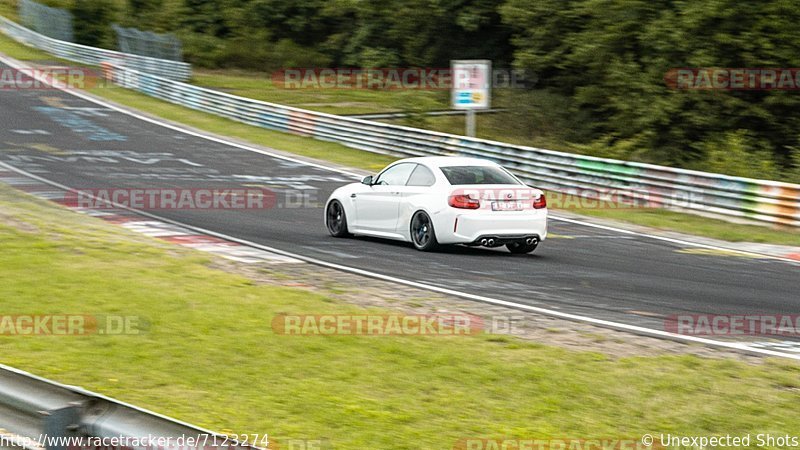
(63, 422)
(692, 191)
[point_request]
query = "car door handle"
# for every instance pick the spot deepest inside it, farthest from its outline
(352, 195)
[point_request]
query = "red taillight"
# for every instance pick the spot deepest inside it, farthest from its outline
(540, 202)
(463, 202)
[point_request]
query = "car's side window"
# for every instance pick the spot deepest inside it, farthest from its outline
(396, 175)
(421, 176)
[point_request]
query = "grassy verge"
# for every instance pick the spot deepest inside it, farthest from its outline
(21, 52)
(667, 220)
(211, 358)
(8, 9)
(493, 126)
(260, 86)
(299, 145)
(287, 142)
(12, 48)
(336, 101)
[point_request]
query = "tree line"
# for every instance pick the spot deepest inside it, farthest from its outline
(601, 67)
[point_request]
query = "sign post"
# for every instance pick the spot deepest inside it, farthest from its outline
(471, 88)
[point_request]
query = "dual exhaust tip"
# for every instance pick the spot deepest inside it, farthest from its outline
(491, 242)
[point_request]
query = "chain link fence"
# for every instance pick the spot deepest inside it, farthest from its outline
(52, 22)
(146, 43)
(760, 200)
(174, 70)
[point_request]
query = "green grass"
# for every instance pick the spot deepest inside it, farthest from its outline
(8, 9)
(299, 145)
(493, 126)
(664, 219)
(259, 86)
(210, 357)
(16, 50)
(339, 154)
(12, 48)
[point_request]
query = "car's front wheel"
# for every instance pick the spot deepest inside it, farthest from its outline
(422, 233)
(519, 248)
(336, 219)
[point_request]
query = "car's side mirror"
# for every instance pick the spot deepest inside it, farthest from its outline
(367, 180)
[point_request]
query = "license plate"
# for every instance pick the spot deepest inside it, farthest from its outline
(507, 206)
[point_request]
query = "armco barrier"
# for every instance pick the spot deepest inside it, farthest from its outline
(761, 200)
(174, 70)
(34, 410)
(733, 196)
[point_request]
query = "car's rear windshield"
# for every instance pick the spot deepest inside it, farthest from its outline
(458, 175)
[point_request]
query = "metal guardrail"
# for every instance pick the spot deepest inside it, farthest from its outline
(404, 114)
(761, 200)
(34, 412)
(172, 70)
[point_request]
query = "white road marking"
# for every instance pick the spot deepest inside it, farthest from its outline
(161, 230)
(17, 181)
(788, 346)
(589, 236)
(41, 132)
(154, 228)
(605, 323)
(90, 99)
(739, 346)
(356, 176)
(668, 239)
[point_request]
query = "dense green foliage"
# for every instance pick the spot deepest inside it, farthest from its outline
(599, 65)
(610, 58)
(92, 19)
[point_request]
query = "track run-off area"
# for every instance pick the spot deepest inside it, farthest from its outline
(582, 272)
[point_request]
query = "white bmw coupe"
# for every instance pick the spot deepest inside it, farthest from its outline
(441, 200)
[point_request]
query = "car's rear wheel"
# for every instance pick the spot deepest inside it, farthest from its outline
(336, 219)
(519, 248)
(422, 233)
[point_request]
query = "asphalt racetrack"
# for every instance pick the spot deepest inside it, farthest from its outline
(579, 269)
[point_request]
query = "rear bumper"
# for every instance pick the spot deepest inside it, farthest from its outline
(470, 229)
(491, 240)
